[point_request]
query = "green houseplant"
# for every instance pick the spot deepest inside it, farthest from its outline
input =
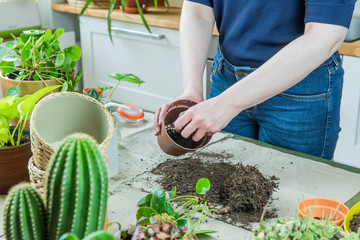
(35, 60)
(123, 6)
(15, 149)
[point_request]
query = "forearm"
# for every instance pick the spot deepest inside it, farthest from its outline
(196, 26)
(288, 67)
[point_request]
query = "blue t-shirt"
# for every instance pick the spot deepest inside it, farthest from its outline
(252, 31)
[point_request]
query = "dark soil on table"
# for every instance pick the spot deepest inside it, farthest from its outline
(355, 223)
(239, 193)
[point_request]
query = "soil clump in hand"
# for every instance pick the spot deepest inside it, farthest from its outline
(240, 193)
(355, 223)
(176, 137)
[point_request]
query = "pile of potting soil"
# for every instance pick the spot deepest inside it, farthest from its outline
(241, 192)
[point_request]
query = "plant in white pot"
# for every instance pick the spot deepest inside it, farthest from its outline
(15, 149)
(35, 60)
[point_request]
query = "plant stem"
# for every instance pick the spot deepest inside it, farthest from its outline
(112, 92)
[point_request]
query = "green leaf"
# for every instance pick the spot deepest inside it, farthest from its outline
(100, 235)
(69, 236)
(26, 51)
(111, 8)
(77, 78)
(47, 36)
(203, 186)
(58, 32)
(1, 40)
(4, 130)
(28, 104)
(145, 212)
(129, 77)
(11, 58)
(65, 87)
(74, 52)
(33, 32)
(158, 201)
(23, 38)
(142, 16)
(6, 67)
(92, 93)
(204, 232)
(86, 5)
(67, 62)
(170, 211)
(10, 45)
(3, 51)
(13, 91)
(60, 59)
(172, 193)
(181, 222)
(145, 201)
(8, 107)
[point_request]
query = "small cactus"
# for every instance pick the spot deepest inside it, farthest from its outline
(77, 185)
(162, 227)
(24, 214)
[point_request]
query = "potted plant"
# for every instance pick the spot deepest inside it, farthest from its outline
(35, 60)
(130, 4)
(15, 149)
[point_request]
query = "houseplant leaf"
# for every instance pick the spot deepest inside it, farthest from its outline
(145, 212)
(47, 36)
(202, 186)
(111, 8)
(158, 201)
(13, 91)
(3, 51)
(145, 201)
(6, 67)
(127, 77)
(60, 59)
(69, 236)
(26, 51)
(58, 32)
(74, 52)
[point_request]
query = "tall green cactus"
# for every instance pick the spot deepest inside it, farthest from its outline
(76, 188)
(24, 214)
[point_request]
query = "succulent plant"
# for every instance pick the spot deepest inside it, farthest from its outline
(162, 227)
(24, 214)
(76, 188)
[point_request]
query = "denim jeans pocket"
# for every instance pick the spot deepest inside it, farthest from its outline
(311, 97)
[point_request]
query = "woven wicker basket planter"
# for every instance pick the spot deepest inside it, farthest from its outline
(59, 115)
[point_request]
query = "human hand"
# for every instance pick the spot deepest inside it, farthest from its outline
(160, 111)
(207, 117)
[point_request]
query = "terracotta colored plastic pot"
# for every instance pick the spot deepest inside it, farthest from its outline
(131, 7)
(85, 90)
(13, 165)
(166, 143)
(323, 208)
(354, 210)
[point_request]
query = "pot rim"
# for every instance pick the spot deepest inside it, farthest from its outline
(182, 103)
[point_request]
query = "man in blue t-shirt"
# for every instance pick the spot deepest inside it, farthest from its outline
(277, 75)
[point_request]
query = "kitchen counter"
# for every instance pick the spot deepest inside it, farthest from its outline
(161, 17)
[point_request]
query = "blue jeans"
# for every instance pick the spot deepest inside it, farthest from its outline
(304, 118)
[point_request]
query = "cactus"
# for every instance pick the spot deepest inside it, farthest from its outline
(24, 214)
(76, 191)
